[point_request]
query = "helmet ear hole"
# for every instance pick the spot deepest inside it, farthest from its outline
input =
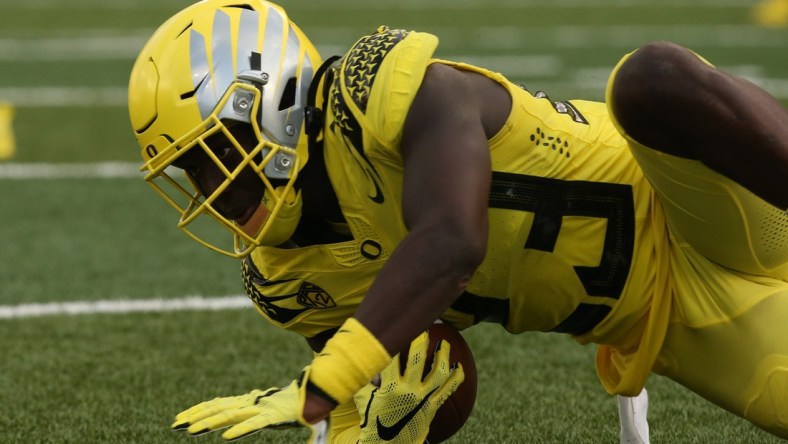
(289, 95)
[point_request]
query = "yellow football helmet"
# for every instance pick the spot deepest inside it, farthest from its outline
(212, 68)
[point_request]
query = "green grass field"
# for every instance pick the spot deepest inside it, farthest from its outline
(79, 236)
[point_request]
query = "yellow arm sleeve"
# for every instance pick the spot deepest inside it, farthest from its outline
(348, 362)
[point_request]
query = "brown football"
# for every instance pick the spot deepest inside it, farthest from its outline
(451, 416)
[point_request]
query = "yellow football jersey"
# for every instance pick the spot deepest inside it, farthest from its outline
(574, 231)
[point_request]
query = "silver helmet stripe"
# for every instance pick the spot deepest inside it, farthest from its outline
(213, 72)
(248, 31)
(294, 115)
(199, 64)
(304, 79)
(272, 53)
(221, 60)
(220, 74)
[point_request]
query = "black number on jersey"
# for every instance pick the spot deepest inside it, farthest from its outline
(564, 107)
(552, 199)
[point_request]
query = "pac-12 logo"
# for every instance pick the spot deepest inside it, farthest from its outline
(283, 300)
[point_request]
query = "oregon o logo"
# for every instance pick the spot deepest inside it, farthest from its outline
(371, 249)
(151, 151)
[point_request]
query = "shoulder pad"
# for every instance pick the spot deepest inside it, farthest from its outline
(378, 80)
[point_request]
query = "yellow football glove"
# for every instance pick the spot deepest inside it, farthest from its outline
(275, 408)
(401, 409)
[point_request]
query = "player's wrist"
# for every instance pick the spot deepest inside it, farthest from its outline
(349, 360)
(317, 405)
(317, 392)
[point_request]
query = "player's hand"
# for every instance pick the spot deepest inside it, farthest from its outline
(401, 409)
(275, 408)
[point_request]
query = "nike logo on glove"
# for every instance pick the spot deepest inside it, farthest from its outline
(388, 433)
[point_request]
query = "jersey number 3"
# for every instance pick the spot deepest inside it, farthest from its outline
(552, 199)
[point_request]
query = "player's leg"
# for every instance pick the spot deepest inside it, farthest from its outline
(728, 340)
(684, 119)
(669, 99)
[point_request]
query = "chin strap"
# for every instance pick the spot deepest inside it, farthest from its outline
(313, 115)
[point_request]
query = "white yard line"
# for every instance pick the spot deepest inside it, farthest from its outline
(730, 36)
(102, 170)
(107, 44)
(190, 303)
(522, 66)
(64, 96)
(73, 48)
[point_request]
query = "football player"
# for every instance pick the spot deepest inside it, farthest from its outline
(370, 194)
(772, 13)
(7, 139)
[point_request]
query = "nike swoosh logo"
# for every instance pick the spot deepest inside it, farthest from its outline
(378, 197)
(373, 177)
(369, 405)
(389, 433)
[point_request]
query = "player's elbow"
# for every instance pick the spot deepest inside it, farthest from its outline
(462, 251)
(475, 252)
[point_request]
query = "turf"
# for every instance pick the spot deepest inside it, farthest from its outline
(121, 378)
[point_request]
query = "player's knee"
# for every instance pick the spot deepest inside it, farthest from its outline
(767, 404)
(653, 76)
(649, 88)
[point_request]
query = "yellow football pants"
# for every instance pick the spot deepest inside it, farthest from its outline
(727, 335)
